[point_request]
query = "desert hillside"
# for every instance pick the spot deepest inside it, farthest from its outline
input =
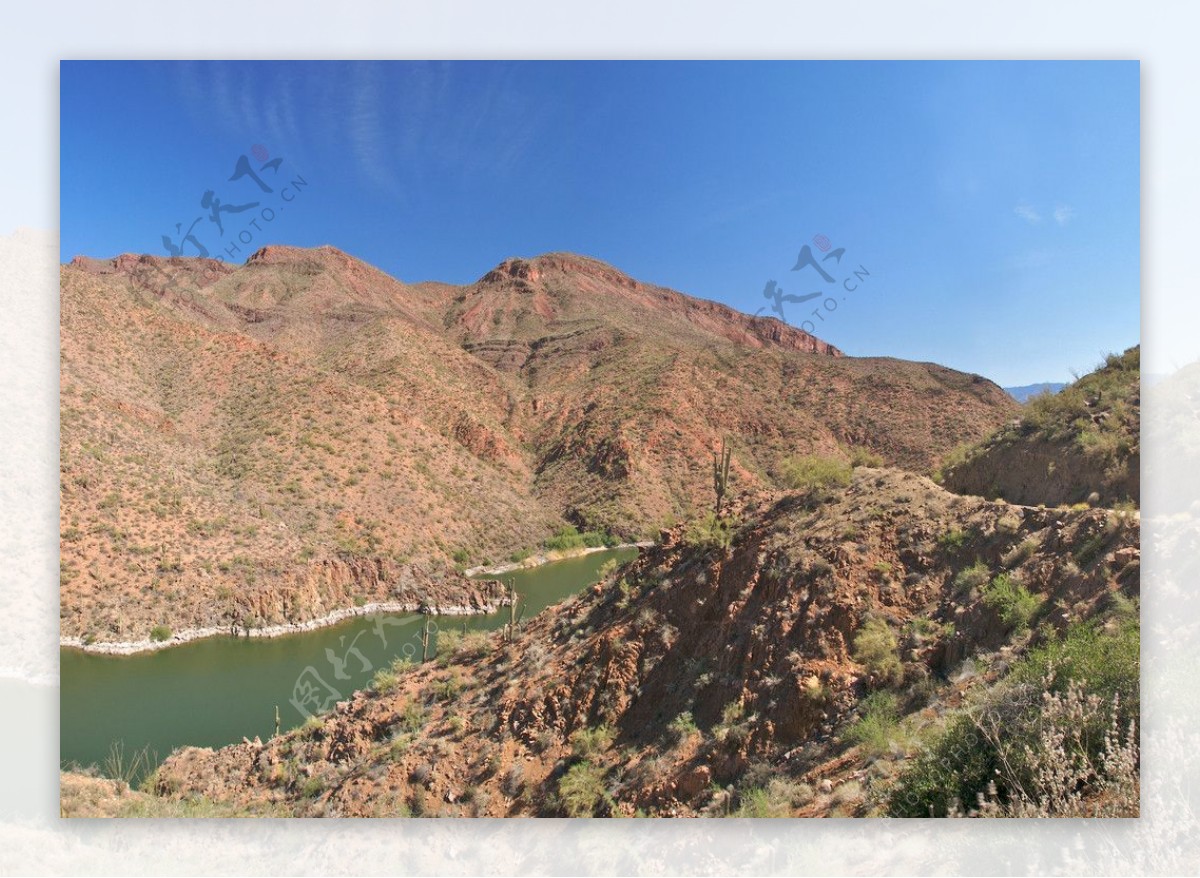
(817, 656)
(1079, 445)
(269, 443)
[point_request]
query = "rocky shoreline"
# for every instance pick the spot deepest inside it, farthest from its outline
(133, 647)
(549, 558)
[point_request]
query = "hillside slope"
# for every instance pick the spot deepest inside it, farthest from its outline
(1065, 447)
(700, 680)
(255, 445)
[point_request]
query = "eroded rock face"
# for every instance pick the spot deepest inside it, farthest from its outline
(690, 666)
(223, 426)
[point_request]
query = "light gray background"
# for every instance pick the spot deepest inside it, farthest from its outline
(33, 838)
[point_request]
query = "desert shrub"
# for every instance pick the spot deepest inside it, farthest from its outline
(449, 688)
(585, 742)
(412, 717)
(710, 532)
(1021, 553)
(313, 727)
(860, 456)
(810, 472)
(954, 458)
(759, 802)
(956, 768)
(385, 681)
(514, 780)
(311, 787)
(448, 642)
(476, 643)
(1107, 655)
(683, 726)
(734, 727)
(581, 789)
(1091, 548)
(952, 539)
(160, 633)
(1008, 524)
(1011, 601)
(1063, 774)
(1054, 738)
(569, 537)
(875, 646)
(877, 723)
(126, 768)
(972, 577)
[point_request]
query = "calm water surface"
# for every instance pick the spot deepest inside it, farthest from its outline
(213, 692)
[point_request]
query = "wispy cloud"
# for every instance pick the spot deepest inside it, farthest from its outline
(1062, 213)
(366, 130)
(1028, 212)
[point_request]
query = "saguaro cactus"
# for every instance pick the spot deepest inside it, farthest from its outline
(720, 469)
(512, 611)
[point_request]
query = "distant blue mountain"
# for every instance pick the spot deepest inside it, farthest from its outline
(1022, 394)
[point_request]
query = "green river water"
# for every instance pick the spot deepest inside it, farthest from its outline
(216, 691)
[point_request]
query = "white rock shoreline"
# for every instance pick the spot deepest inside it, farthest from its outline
(134, 647)
(549, 557)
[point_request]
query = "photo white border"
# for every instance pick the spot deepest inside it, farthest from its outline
(33, 839)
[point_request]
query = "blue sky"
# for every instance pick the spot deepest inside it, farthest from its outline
(994, 205)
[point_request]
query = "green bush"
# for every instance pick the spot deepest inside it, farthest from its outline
(412, 718)
(569, 537)
(972, 577)
(585, 742)
(954, 770)
(710, 532)
(1105, 655)
(860, 456)
(159, 633)
(683, 726)
(952, 539)
(1097, 659)
(809, 472)
(448, 643)
(953, 459)
(1011, 601)
(1021, 553)
(875, 646)
(877, 725)
(581, 789)
(759, 802)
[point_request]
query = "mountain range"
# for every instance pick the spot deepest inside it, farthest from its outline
(268, 443)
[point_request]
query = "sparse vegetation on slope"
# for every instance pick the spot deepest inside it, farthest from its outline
(798, 672)
(273, 442)
(1081, 444)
